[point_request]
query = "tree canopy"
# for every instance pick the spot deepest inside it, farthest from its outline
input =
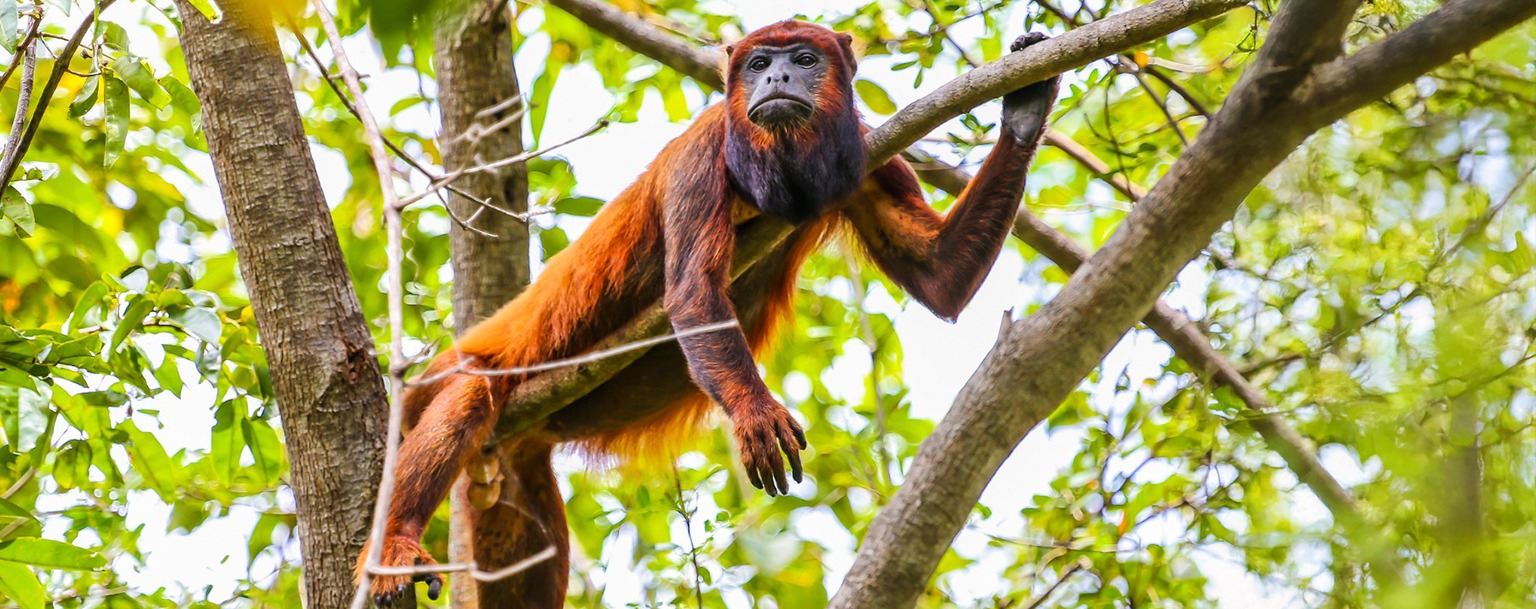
(1349, 420)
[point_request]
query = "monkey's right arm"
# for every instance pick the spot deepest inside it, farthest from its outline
(700, 240)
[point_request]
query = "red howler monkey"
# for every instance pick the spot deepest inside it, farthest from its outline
(787, 142)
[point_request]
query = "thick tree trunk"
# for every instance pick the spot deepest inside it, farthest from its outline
(327, 381)
(475, 72)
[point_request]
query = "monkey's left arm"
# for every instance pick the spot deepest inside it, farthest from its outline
(942, 261)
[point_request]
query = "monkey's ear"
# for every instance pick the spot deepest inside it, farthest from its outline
(846, 39)
(730, 49)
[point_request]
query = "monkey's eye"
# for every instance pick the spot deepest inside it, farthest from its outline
(805, 60)
(758, 65)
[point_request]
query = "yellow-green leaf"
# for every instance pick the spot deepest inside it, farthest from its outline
(115, 93)
(20, 584)
(874, 96)
(51, 554)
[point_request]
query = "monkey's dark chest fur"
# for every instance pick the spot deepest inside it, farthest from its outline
(798, 178)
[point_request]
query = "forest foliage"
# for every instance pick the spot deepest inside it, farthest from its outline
(1378, 287)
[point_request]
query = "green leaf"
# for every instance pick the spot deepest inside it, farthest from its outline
(579, 206)
(72, 466)
(151, 461)
(169, 375)
(206, 8)
(8, 26)
(138, 307)
(138, 77)
(18, 521)
(553, 240)
(114, 35)
(33, 419)
(85, 309)
(405, 103)
(103, 399)
(86, 99)
(16, 209)
(182, 97)
(116, 98)
(202, 323)
(874, 96)
(20, 584)
(228, 439)
(1523, 257)
(266, 449)
(50, 554)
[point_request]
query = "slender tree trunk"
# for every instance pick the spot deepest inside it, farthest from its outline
(475, 72)
(327, 381)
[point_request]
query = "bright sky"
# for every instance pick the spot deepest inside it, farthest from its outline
(940, 357)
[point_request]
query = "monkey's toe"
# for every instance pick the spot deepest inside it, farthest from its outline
(434, 584)
(388, 588)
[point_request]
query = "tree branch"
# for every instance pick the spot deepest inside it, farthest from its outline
(1190, 345)
(27, 56)
(700, 64)
(1074, 49)
(1039, 360)
(1377, 70)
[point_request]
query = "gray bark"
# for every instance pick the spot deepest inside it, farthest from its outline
(327, 381)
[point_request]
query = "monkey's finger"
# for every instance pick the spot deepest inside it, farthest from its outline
(434, 586)
(800, 435)
(794, 463)
(752, 475)
(769, 484)
(789, 440)
(778, 474)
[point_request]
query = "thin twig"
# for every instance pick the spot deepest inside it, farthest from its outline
(1060, 579)
(867, 330)
(395, 254)
(396, 149)
(469, 568)
(444, 181)
(693, 548)
(1473, 230)
(498, 107)
(1162, 105)
(463, 366)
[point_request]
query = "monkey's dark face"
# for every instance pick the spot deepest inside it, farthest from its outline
(781, 84)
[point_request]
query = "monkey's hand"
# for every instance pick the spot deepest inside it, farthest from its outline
(1025, 110)
(401, 552)
(761, 432)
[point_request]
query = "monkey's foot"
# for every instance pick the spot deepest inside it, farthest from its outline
(1025, 111)
(403, 552)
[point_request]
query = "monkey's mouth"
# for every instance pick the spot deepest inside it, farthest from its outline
(779, 110)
